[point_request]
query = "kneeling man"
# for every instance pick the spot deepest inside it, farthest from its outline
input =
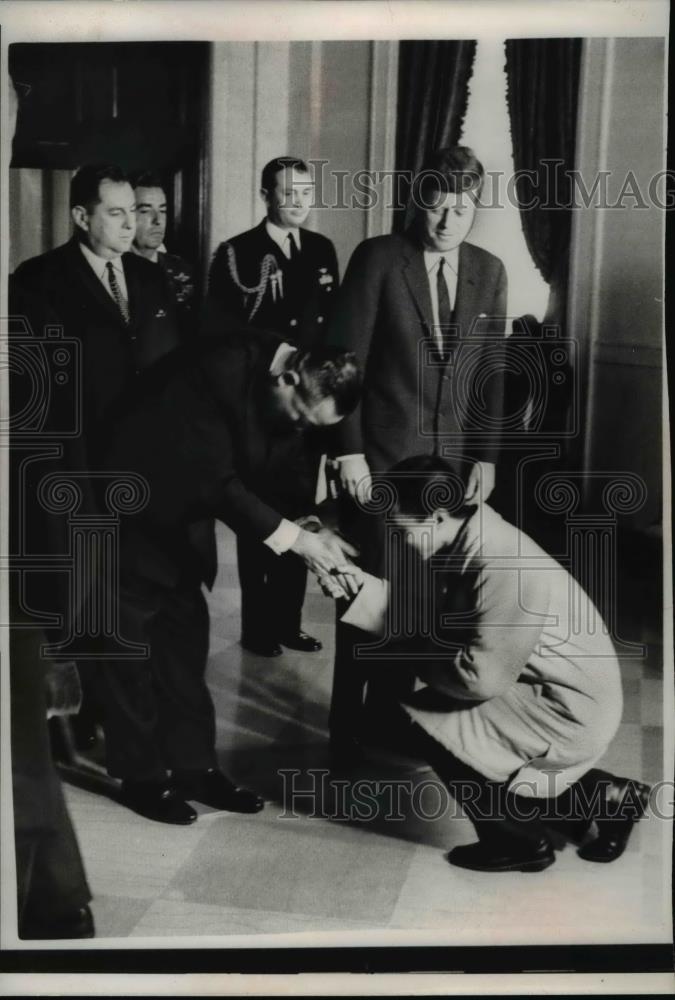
(517, 691)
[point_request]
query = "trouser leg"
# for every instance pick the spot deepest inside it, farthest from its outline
(186, 727)
(158, 711)
(349, 682)
(287, 581)
(497, 816)
(387, 687)
(252, 565)
(127, 693)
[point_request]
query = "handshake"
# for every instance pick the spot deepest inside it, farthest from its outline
(326, 554)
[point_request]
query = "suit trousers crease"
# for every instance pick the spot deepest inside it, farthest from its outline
(158, 711)
(272, 591)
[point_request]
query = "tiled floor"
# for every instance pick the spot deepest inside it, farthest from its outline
(373, 880)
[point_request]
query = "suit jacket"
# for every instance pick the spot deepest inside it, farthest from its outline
(62, 285)
(203, 436)
(59, 290)
(412, 403)
(310, 283)
(522, 680)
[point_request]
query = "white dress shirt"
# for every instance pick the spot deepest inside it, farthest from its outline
(285, 536)
(99, 266)
(280, 237)
(450, 270)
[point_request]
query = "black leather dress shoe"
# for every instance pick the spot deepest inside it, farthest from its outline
(261, 647)
(300, 640)
(213, 788)
(526, 856)
(625, 803)
(157, 800)
(58, 927)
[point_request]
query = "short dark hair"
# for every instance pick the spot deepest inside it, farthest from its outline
(268, 177)
(448, 171)
(86, 183)
(147, 179)
(423, 483)
(330, 371)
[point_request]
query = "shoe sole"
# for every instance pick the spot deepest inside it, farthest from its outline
(154, 819)
(523, 866)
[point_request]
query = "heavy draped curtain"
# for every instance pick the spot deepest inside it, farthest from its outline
(543, 85)
(433, 87)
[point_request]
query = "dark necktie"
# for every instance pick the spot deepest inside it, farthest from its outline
(117, 293)
(444, 307)
(295, 253)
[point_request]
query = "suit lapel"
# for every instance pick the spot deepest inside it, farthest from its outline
(79, 268)
(415, 276)
(136, 299)
(466, 304)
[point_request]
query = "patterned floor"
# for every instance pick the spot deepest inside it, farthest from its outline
(372, 881)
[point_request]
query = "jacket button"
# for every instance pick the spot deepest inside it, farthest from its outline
(293, 322)
(319, 319)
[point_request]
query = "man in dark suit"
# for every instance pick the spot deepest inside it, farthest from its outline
(111, 300)
(151, 215)
(277, 276)
(424, 312)
(119, 311)
(210, 437)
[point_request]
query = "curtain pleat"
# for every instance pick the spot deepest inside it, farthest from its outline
(543, 85)
(433, 88)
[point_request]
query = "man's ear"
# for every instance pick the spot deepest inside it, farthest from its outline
(290, 378)
(80, 217)
(441, 517)
(265, 195)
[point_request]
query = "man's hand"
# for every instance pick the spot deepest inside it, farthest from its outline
(481, 482)
(355, 477)
(323, 552)
(351, 574)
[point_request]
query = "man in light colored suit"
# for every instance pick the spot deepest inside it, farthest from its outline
(518, 689)
(424, 312)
